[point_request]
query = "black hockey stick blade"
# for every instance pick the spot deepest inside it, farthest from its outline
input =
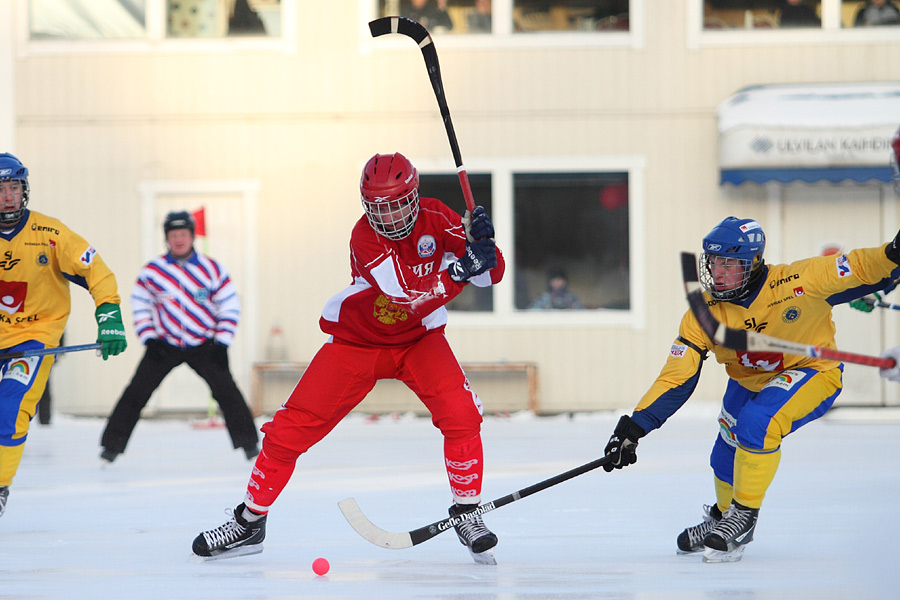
(397, 541)
(417, 32)
(741, 340)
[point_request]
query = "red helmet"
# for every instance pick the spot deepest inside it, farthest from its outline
(895, 160)
(389, 188)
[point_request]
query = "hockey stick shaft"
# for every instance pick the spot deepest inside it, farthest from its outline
(46, 351)
(753, 341)
(882, 304)
(420, 36)
(395, 541)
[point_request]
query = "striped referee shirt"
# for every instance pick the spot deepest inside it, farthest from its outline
(185, 302)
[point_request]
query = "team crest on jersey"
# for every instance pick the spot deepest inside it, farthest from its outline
(388, 312)
(22, 370)
(785, 380)
(426, 246)
(88, 256)
(42, 260)
(12, 296)
(201, 295)
(790, 314)
(843, 266)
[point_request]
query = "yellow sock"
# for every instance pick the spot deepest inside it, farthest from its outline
(724, 494)
(753, 473)
(10, 457)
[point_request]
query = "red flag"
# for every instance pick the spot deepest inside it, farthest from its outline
(199, 221)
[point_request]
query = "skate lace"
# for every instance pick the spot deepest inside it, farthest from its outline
(734, 522)
(698, 532)
(224, 534)
(472, 529)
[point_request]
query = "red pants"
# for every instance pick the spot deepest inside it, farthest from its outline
(339, 378)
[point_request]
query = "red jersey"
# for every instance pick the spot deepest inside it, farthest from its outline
(400, 287)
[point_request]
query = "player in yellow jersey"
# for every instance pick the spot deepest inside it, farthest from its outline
(39, 257)
(769, 395)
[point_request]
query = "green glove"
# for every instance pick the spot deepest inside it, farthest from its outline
(866, 303)
(111, 334)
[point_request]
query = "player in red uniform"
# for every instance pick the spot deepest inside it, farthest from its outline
(409, 257)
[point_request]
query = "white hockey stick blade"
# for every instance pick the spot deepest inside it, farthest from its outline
(371, 532)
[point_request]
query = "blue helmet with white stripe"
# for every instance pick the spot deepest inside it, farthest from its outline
(12, 169)
(732, 259)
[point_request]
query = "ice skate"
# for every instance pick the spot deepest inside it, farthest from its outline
(474, 535)
(691, 539)
(4, 495)
(236, 537)
(727, 540)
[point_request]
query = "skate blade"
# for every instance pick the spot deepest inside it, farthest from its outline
(234, 552)
(681, 552)
(718, 556)
(484, 558)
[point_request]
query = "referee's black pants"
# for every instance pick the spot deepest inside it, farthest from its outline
(210, 362)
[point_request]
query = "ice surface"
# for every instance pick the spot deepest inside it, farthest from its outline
(829, 527)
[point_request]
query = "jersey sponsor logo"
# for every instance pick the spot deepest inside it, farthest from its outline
(842, 263)
(201, 295)
(791, 314)
(8, 261)
(42, 259)
(727, 424)
(22, 370)
(776, 282)
(785, 380)
(12, 296)
(678, 350)
(388, 312)
(766, 361)
(88, 257)
(798, 291)
(43, 228)
(426, 246)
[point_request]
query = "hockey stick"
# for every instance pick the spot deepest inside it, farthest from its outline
(420, 36)
(397, 541)
(753, 341)
(881, 304)
(46, 351)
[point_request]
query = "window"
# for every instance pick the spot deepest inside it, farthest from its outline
(571, 240)
(154, 19)
(562, 222)
(791, 21)
(506, 19)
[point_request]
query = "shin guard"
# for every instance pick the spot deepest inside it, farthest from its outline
(465, 466)
(268, 479)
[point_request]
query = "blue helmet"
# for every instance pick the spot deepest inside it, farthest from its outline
(12, 169)
(732, 258)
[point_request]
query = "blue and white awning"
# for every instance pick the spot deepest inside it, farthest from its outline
(808, 132)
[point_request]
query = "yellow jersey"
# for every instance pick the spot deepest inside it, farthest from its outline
(38, 260)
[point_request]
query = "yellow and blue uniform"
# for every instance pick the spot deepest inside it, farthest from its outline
(39, 257)
(769, 395)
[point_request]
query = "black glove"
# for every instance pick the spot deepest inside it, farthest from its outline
(892, 250)
(480, 225)
(622, 445)
(157, 349)
(480, 256)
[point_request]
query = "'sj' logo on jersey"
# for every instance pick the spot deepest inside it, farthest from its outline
(12, 296)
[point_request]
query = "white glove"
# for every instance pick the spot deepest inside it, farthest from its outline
(894, 372)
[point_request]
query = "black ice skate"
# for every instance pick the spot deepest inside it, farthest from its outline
(474, 535)
(691, 539)
(237, 537)
(726, 542)
(4, 494)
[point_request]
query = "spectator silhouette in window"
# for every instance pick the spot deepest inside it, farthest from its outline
(432, 14)
(558, 295)
(877, 12)
(794, 13)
